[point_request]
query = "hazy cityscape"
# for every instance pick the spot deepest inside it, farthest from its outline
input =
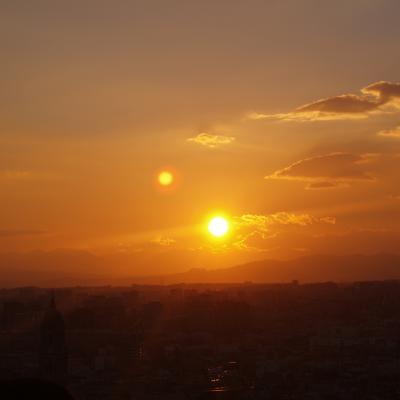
(237, 341)
(200, 199)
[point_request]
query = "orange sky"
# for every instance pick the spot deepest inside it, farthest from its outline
(284, 115)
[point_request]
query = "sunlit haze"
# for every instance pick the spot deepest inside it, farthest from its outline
(125, 125)
(218, 226)
(200, 199)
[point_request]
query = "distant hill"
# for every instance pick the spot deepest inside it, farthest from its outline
(54, 268)
(316, 268)
(71, 268)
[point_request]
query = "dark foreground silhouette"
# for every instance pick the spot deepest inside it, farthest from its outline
(23, 389)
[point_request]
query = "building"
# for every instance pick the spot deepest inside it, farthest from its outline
(53, 354)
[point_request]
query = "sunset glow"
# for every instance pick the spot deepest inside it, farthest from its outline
(200, 199)
(164, 130)
(218, 226)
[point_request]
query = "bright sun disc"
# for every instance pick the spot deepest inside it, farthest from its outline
(165, 178)
(218, 226)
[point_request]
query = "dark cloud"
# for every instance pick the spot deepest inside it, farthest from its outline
(328, 171)
(344, 104)
(384, 91)
(377, 97)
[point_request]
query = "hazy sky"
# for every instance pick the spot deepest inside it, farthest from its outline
(283, 115)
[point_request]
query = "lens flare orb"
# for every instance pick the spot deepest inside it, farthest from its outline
(165, 178)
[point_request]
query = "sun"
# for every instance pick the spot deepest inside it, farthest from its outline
(165, 178)
(218, 226)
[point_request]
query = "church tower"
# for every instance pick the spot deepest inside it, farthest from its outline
(53, 355)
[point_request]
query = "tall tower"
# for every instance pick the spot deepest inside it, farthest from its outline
(53, 355)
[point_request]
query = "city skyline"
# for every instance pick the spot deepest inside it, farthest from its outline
(200, 199)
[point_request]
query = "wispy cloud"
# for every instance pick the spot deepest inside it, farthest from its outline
(164, 241)
(395, 133)
(211, 141)
(251, 226)
(376, 98)
(318, 185)
(24, 175)
(263, 222)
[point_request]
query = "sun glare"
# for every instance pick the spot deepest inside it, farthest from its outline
(218, 226)
(165, 178)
